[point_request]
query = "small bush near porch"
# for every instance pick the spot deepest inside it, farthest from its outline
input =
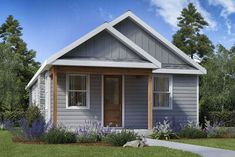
(8, 149)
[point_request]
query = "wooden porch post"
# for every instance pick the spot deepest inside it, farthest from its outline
(54, 74)
(150, 101)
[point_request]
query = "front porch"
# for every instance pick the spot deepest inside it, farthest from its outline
(136, 96)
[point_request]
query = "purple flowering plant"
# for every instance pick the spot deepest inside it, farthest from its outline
(92, 131)
(35, 131)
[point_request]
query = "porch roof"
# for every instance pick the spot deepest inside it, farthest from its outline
(100, 63)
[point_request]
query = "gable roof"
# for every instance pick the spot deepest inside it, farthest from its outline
(106, 26)
(113, 32)
(123, 39)
(160, 38)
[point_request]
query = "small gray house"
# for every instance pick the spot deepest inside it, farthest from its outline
(122, 74)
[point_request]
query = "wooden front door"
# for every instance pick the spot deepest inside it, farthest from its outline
(113, 101)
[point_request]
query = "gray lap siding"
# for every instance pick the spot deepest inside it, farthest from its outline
(184, 101)
(136, 102)
(76, 117)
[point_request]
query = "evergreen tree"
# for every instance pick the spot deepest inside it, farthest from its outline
(9, 82)
(188, 38)
(10, 34)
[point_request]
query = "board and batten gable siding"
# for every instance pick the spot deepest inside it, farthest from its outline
(184, 101)
(151, 45)
(74, 118)
(103, 46)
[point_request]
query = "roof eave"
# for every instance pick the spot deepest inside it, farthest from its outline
(178, 71)
(111, 64)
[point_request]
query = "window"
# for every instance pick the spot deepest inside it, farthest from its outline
(77, 91)
(162, 92)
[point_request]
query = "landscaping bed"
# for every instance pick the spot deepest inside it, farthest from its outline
(23, 141)
(10, 149)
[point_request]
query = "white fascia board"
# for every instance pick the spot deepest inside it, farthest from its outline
(155, 34)
(133, 46)
(113, 64)
(34, 78)
(178, 71)
(77, 42)
(120, 18)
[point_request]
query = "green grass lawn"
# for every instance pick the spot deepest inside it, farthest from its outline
(10, 149)
(224, 143)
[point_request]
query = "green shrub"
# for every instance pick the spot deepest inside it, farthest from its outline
(189, 132)
(89, 137)
(59, 136)
(33, 113)
(221, 132)
(120, 138)
(162, 136)
(225, 118)
(13, 116)
(163, 131)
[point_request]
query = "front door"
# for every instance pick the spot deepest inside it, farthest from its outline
(113, 101)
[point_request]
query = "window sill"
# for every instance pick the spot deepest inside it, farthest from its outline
(162, 108)
(77, 108)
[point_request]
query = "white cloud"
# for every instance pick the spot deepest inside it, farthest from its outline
(227, 5)
(171, 9)
(105, 15)
(229, 26)
(168, 9)
(228, 8)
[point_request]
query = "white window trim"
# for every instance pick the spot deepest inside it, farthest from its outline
(87, 96)
(170, 91)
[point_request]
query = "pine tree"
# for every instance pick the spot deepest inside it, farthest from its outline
(10, 34)
(10, 84)
(188, 38)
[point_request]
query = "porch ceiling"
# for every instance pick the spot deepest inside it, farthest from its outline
(102, 70)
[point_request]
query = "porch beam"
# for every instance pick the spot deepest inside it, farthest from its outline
(150, 101)
(103, 70)
(54, 78)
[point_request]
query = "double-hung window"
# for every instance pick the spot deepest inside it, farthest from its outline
(77, 94)
(162, 92)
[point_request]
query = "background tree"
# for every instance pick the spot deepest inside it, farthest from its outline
(188, 38)
(9, 82)
(17, 66)
(217, 87)
(10, 34)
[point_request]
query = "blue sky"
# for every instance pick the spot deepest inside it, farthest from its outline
(49, 25)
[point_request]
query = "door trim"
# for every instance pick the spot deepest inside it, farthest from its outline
(123, 101)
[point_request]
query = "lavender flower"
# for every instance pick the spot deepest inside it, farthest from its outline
(93, 129)
(33, 132)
